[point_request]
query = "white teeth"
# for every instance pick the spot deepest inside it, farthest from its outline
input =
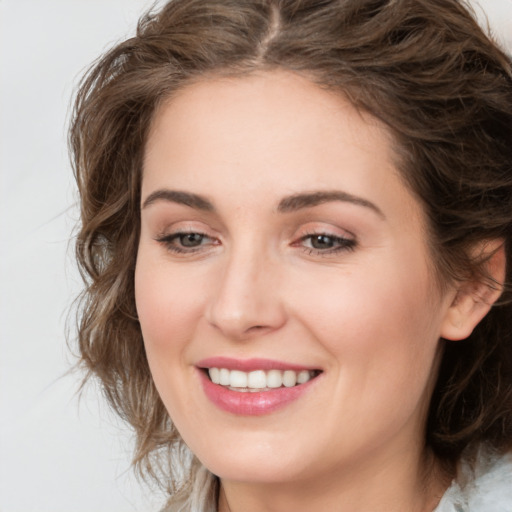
(303, 377)
(215, 375)
(224, 377)
(274, 378)
(259, 379)
(289, 378)
(238, 379)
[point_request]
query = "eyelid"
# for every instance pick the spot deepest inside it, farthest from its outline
(185, 225)
(311, 229)
(168, 233)
(168, 237)
(340, 239)
(344, 241)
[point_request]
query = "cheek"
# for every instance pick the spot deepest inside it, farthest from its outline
(383, 344)
(379, 323)
(376, 298)
(168, 307)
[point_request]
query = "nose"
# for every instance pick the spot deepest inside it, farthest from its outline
(247, 301)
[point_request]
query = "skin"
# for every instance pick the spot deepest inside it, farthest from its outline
(369, 315)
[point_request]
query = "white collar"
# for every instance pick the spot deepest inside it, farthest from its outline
(483, 484)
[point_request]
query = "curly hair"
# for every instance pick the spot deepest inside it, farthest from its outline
(422, 67)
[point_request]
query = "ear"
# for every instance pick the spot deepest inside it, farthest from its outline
(473, 299)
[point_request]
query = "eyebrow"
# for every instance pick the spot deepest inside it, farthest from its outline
(286, 205)
(176, 196)
(310, 199)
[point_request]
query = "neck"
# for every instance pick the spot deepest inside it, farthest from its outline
(415, 486)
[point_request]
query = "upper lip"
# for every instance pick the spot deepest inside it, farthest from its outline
(248, 365)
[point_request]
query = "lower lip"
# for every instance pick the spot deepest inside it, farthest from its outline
(252, 403)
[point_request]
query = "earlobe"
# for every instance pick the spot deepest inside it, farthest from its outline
(473, 299)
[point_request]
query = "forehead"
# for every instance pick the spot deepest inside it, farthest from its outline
(273, 133)
(279, 100)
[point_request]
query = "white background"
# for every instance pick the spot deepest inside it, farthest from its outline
(56, 454)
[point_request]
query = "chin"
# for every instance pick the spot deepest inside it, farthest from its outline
(262, 461)
(254, 470)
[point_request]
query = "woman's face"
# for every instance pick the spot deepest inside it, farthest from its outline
(279, 243)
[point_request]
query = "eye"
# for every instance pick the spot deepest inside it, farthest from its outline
(324, 243)
(191, 239)
(186, 242)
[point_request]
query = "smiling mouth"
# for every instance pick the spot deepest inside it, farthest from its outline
(259, 380)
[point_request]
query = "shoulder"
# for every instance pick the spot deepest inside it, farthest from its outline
(483, 484)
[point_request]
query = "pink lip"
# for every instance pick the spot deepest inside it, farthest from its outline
(249, 365)
(251, 403)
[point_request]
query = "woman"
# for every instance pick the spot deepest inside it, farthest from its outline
(296, 223)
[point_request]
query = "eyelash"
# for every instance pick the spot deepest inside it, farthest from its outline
(169, 242)
(343, 244)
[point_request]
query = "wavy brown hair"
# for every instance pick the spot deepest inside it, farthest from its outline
(423, 67)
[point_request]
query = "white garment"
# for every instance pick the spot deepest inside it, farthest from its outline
(483, 484)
